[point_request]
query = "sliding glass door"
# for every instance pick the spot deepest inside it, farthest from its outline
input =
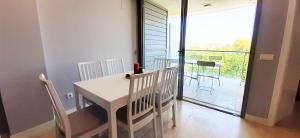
(217, 47)
(209, 41)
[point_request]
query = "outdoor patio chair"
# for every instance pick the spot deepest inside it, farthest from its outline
(206, 74)
(217, 60)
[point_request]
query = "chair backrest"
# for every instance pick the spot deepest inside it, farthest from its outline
(90, 70)
(59, 113)
(161, 63)
(174, 62)
(115, 66)
(167, 84)
(128, 65)
(196, 57)
(206, 63)
(215, 58)
(141, 98)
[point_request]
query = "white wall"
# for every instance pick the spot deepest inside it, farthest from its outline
(82, 30)
(270, 37)
(288, 85)
(21, 60)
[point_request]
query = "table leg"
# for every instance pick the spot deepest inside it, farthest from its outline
(112, 120)
(77, 101)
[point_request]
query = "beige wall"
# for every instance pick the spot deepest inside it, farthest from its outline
(61, 32)
(292, 72)
(21, 60)
(270, 38)
(82, 30)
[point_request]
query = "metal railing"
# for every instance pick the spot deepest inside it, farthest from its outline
(234, 63)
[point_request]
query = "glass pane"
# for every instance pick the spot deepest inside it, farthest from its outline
(218, 40)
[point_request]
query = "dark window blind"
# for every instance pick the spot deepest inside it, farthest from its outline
(155, 33)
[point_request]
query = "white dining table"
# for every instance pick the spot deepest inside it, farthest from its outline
(110, 92)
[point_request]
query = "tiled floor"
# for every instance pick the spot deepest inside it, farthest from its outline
(198, 122)
(228, 95)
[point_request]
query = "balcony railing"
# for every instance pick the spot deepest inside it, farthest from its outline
(233, 63)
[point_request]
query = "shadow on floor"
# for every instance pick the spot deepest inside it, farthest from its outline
(292, 121)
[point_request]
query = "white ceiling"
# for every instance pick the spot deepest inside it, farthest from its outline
(197, 6)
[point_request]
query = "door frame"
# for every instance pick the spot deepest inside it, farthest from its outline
(140, 32)
(4, 128)
(184, 11)
(181, 52)
(258, 13)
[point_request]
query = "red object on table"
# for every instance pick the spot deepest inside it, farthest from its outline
(136, 68)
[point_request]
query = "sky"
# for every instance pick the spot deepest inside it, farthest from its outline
(222, 27)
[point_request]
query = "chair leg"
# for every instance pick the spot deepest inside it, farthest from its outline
(174, 114)
(219, 75)
(130, 133)
(155, 127)
(160, 120)
(83, 102)
(130, 130)
(58, 133)
(212, 86)
(198, 81)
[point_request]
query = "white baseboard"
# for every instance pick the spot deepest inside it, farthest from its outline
(257, 119)
(71, 110)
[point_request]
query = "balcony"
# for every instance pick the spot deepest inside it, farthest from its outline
(219, 83)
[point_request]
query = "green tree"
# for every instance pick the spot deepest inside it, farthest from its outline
(241, 45)
(234, 64)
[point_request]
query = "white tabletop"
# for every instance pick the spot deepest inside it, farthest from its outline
(109, 88)
(110, 92)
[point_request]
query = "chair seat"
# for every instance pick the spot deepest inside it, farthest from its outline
(87, 119)
(157, 100)
(122, 115)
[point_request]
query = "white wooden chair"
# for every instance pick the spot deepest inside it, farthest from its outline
(90, 70)
(161, 63)
(128, 65)
(140, 109)
(166, 97)
(218, 61)
(114, 66)
(84, 123)
(87, 71)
